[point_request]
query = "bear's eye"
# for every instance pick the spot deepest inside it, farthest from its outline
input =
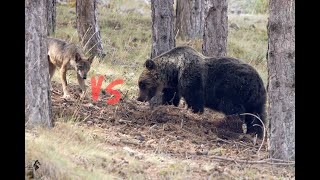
(142, 85)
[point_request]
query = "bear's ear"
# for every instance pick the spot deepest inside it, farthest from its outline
(90, 59)
(150, 64)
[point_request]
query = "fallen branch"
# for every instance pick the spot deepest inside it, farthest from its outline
(263, 127)
(265, 161)
(124, 121)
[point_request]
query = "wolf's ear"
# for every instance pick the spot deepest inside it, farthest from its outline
(78, 57)
(150, 64)
(90, 59)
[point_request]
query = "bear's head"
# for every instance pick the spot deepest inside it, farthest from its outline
(149, 82)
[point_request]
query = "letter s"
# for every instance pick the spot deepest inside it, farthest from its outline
(114, 92)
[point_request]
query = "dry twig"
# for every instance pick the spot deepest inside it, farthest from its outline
(265, 161)
(264, 128)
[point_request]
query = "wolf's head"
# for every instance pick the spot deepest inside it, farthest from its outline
(83, 65)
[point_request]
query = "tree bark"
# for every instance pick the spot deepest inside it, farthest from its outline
(37, 94)
(88, 29)
(189, 19)
(183, 19)
(163, 38)
(215, 28)
(197, 19)
(281, 79)
(51, 16)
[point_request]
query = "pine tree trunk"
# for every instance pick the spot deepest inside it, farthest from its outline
(189, 19)
(88, 29)
(37, 94)
(163, 38)
(183, 19)
(215, 28)
(51, 16)
(197, 19)
(281, 81)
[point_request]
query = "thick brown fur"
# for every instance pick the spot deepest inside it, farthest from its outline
(224, 84)
(68, 56)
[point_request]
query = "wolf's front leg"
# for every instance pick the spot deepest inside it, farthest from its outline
(82, 86)
(63, 73)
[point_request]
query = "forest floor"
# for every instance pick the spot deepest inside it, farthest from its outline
(128, 140)
(94, 140)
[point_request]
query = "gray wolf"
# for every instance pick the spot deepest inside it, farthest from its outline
(68, 56)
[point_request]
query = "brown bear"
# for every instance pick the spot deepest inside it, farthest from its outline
(224, 84)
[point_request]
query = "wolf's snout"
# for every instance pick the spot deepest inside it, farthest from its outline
(84, 77)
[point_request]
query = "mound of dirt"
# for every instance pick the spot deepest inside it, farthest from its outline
(165, 129)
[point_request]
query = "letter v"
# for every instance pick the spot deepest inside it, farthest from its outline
(96, 88)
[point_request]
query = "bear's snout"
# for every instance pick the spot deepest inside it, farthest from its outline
(140, 99)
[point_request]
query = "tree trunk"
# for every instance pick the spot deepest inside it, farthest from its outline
(51, 16)
(189, 19)
(37, 94)
(215, 28)
(88, 29)
(197, 19)
(281, 79)
(162, 26)
(183, 19)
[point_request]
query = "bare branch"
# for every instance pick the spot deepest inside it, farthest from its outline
(264, 128)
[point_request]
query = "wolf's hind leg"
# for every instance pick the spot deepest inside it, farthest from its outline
(52, 69)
